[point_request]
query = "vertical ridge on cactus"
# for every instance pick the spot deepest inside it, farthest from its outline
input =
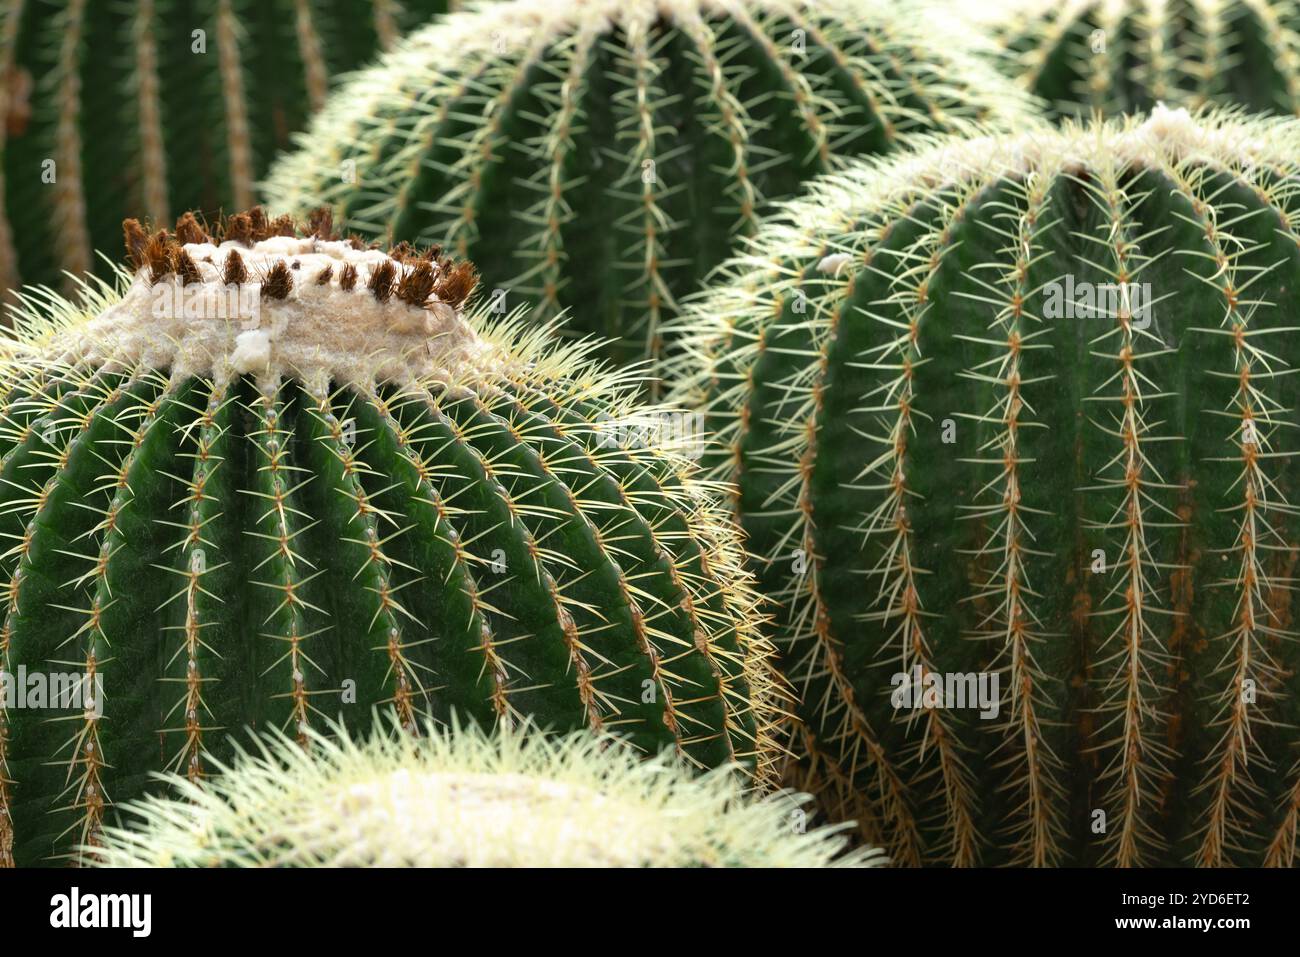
(601, 156)
(1122, 56)
(460, 798)
(1023, 407)
(151, 107)
(341, 492)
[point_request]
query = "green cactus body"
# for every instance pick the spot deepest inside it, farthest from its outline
(361, 497)
(603, 156)
(461, 798)
(152, 107)
(1022, 408)
(1124, 56)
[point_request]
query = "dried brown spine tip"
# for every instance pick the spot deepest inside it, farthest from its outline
(455, 282)
(321, 223)
(158, 255)
(136, 239)
(278, 282)
(416, 283)
(239, 229)
(189, 231)
(381, 280)
(235, 272)
(348, 277)
(185, 267)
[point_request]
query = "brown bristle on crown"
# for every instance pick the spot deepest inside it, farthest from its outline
(321, 223)
(258, 222)
(184, 267)
(234, 272)
(158, 255)
(411, 274)
(416, 283)
(381, 280)
(455, 282)
(136, 238)
(238, 228)
(278, 282)
(189, 231)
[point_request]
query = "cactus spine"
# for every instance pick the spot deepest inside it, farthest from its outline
(272, 526)
(1123, 56)
(949, 464)
(151, 107)
(465, 799)
(602, 156)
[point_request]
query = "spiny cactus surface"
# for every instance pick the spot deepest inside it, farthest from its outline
(1123, 56)
(346, 492)
(1022, 410)
(461, 798)
(601, 156)
(151, 107)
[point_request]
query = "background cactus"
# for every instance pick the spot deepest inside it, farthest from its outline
(465, 799)
(266, 527)
(960, 449)
(604, 155)
(1122, 56)
(142, 116)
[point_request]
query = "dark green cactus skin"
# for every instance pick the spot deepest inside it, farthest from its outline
(139, 124)
(231, 557)
(1076, 504)
(1125, 57)
(603, 159)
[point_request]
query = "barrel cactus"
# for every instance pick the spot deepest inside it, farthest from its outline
(1011, 423)
(342, 491)
(1120, 56)
(466, 799)
(152, 107)
(602, 156)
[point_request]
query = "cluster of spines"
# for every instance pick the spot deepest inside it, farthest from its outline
(695, 118)
(413, 276)
(774, 350)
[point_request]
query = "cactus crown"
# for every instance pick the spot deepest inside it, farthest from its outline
(1121, 56)
(1021, 407)
(463, 798)
(359, 494)
(602, 156)
(310, 301)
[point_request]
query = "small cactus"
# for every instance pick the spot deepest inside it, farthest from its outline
(1021, 409)
(602, 156)
(342, 492)
(1124, 56)
(463, 798)
(151, 107)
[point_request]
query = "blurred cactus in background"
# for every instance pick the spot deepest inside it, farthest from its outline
(148, 108)
(1124, 56)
